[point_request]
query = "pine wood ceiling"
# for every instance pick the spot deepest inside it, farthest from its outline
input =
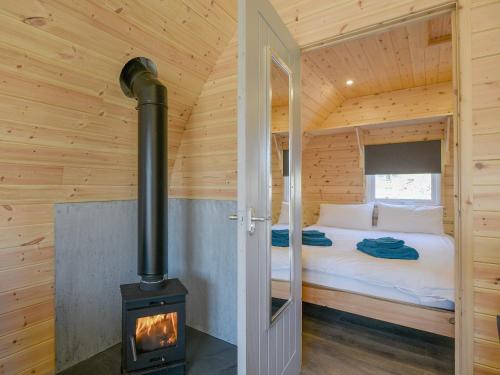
(417, 54)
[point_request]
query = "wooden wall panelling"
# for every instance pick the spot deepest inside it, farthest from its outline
(313, 21)
(279, 119)
(206, 161)
(405, 105)
(277, 175)
(486, 181)
(319, 97)
(43, 47)
(67, 133)
(211, 130)
(332, 171)
(484, 370)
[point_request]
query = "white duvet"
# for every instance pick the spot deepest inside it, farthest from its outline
(429, 280)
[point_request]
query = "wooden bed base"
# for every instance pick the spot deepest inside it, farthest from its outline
(424, 318)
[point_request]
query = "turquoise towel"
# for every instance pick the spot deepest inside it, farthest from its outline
(311, 241)
(279, 242)
(280, 232)
(280, 238)
(313, 233)
(403, 252)
(384, 242)
(315, 238)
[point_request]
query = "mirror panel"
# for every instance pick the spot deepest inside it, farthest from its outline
(280, 252)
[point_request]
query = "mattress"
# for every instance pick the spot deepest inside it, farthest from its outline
(428, 281)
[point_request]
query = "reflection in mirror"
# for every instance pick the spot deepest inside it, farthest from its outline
(280, 187)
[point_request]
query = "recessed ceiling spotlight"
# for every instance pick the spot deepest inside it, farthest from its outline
(349, 82)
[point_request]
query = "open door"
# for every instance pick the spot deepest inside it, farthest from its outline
(269, 142)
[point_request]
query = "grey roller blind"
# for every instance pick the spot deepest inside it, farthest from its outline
(286, 168)
(403, 158)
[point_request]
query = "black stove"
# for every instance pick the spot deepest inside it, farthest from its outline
(154, 310)
(154, 329)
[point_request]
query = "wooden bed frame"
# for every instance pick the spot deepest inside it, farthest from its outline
(439, 321)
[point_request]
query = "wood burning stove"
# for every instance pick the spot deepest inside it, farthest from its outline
(154, 329)
(154, 310)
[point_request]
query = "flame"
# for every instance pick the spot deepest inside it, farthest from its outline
(155, 332)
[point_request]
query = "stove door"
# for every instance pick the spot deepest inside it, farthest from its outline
(154, 336)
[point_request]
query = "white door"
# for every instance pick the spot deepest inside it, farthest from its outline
(269, 277)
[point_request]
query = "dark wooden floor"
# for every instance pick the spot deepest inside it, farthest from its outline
(340, 343)
(333, 343)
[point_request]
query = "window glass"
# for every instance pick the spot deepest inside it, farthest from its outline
(421, 188)
(403, 186)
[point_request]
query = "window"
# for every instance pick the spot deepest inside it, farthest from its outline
(421, 188)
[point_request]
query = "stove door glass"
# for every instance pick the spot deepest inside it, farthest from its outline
(156, 332)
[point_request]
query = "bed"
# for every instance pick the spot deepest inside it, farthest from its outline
(419, 294)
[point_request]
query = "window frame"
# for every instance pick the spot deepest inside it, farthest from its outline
(435, 189)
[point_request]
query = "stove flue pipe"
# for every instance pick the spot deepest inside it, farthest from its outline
(138, 80)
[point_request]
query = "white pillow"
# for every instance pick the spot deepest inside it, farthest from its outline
(412, 219)
(350, 216)
(284, 213)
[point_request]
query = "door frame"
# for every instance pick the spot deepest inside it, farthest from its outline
(462, 162)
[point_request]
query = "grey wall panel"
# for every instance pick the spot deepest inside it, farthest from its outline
(96, 251)
(203, 254)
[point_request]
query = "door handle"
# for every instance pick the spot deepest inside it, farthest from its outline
(132, 347)
(253, 219)
(258, 219)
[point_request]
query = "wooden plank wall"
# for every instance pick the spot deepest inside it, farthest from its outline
(333, 173)
(400, 105)
(319, 97)
(206, 161)
(485, 44)
(69, 134)
(280, 143)
(312, 21)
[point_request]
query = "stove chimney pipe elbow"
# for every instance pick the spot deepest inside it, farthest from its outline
(138, 80)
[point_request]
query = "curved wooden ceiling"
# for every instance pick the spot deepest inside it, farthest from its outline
(417, 54)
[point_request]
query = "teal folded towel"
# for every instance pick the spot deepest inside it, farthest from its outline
(281, 242)
(281, 238)
(315, 238)
(388, 248)
(384, 242)
(313, 234)
(312, 241)
(280, 232)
